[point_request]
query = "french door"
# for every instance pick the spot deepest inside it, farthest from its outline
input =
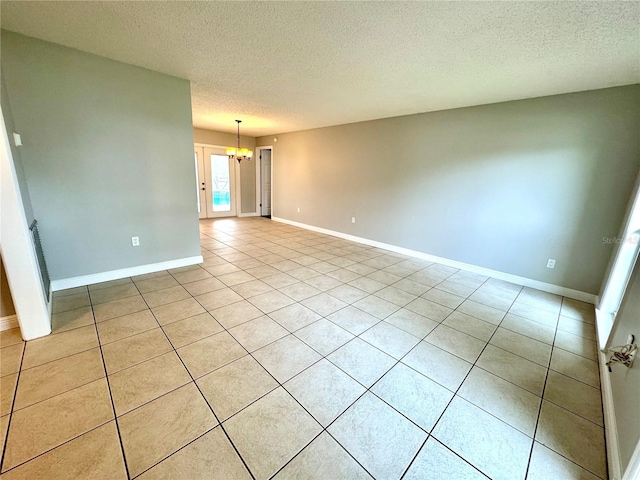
(216, 183)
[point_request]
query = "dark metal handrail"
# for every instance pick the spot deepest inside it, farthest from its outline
(42, 263)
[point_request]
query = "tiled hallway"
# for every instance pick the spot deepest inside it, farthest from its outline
(294, 354)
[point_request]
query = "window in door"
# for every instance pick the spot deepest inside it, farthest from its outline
(221, 183)
(216, 177)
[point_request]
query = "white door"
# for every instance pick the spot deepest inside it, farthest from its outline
(265, 182)
(218, 174)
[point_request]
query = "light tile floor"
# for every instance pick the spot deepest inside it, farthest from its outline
(291, 354)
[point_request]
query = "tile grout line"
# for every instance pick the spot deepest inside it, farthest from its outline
(368, 389)
(106, 374)
(56, 447)
(282, 385)
(606, 456)
(323, 429)
(61, 393)
(544, 387)
(202, 396)
(455, 393)
(566, 410)
(279, 385)
(11, 416)
(15, 394)
(13, 411)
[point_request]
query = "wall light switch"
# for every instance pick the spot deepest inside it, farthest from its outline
(353, 219)
(298, 209)
(17, 139)
(551, 263)
(135, 241)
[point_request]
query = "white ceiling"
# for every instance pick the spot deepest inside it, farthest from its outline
(285, 66)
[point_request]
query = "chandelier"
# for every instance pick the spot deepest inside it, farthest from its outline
(237, 153)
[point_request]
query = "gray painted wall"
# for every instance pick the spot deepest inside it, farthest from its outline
(15, 153)
(625, 382)
(247, 169)
(504, 186)
(107, 155)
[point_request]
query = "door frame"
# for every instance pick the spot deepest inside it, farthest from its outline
(236, 169)
(618, 274)
(259, 179)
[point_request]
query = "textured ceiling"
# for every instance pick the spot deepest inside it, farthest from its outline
(284, 66)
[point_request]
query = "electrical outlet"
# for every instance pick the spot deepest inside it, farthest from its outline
(298, 209)
(353, 219)
(135, 241)
(551, 263)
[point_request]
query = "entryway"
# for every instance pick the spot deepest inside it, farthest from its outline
(264, 177)
(215, 182)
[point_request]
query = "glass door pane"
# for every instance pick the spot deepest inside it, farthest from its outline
(221, 183)
(220, 177)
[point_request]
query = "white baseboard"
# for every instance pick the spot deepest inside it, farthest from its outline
(610, 424)
(254, 214)
(82, 280)
(527, 282)
(9, 322)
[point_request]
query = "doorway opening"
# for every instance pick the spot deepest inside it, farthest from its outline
(264, 180)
